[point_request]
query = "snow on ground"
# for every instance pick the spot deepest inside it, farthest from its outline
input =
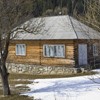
(73, 88)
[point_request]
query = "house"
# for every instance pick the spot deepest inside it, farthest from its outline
(66, 44)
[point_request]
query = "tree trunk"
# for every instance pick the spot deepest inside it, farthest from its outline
(4, 77)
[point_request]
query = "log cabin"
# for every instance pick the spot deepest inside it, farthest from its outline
(63, 41)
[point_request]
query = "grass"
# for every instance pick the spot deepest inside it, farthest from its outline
(15, 79)
(29, 76)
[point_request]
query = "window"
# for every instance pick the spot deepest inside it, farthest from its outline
(95, 49)
(21, 49)
(54, 50)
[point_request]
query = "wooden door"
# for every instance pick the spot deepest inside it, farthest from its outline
(82, 54)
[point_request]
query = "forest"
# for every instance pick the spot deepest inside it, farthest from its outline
(87, 11)
(56, 7)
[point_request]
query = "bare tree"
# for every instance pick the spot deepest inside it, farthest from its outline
(91, 14)
(12, 14)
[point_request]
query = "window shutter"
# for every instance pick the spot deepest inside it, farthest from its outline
(46, 50)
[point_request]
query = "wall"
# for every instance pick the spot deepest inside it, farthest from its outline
(92, 61)
(34, 53)
(42, 70)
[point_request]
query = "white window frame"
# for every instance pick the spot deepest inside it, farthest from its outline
(95, 49)
(21, 54)
(55, 56)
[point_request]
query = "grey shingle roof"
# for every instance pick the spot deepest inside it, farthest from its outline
(59, 27)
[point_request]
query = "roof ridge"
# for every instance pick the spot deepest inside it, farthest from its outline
(73, 27)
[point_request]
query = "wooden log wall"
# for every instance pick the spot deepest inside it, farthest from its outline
(89, 51)
(34, 53)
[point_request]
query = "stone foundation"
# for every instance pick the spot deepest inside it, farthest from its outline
(42, 70)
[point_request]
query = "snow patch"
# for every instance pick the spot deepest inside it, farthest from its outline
(18, 85)
(73, 88)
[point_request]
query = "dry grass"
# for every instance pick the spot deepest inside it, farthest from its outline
(29, 76)
(15, 97)
(13, 82)
(15, 91)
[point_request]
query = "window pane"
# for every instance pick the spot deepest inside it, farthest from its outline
(51, 51)
(55, 50)
(23, 49)
(20, 50)
(95, 50)
(46, 51)
(60, 51)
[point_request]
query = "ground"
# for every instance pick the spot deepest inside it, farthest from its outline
(15, 79)
(72, 88)
(55, 87)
